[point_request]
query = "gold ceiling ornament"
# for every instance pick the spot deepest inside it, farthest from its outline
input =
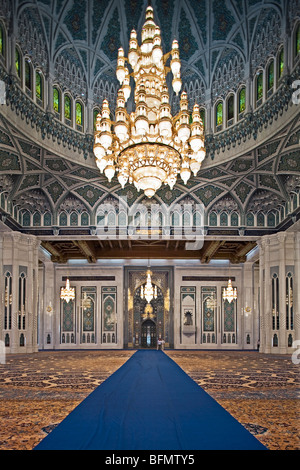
(230, 293)
(149, 147)
(149, 290)
(67, 293)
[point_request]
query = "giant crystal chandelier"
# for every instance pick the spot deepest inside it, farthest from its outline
(149, 147)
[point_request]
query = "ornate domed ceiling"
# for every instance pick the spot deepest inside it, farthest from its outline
(249, 182)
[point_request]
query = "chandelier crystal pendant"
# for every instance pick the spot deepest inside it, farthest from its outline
(149, 147)
(148, 290)
(230, 293)
(67, 293)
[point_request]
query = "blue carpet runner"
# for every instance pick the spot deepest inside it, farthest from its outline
(150, 403)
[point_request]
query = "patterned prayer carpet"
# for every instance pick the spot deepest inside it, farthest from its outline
(38, 391)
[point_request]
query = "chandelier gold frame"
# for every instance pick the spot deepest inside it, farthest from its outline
(149, 147)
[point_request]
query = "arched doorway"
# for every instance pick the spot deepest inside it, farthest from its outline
(148, 334)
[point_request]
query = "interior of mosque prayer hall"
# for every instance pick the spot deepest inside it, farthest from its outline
(149, 200)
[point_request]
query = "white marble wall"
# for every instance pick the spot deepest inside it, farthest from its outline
(246, 309)
(19, 252)
(280, 254)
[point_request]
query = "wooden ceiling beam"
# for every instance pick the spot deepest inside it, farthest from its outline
(210, 250)
(57, 256)
(86, 250)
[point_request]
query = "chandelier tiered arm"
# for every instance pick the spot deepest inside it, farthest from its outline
(149, 147)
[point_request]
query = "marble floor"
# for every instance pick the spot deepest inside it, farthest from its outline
(38, 390)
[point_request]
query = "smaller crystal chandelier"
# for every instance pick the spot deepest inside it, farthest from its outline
(67, 293)
(148, 290)
(230, 292)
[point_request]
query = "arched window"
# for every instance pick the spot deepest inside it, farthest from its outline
(250, 219)
(219, 115)
(56, 101)
(74, 218)
(271, 219)
(84, 218)
(68, 109)
(223, 219)
(275, 302)
(259, 88)
(234, 219)
(297, 41)
(22, 301)
(47, 219)
(7, 301)
(28, 76)
(39, 87)
(26, 219)
(96, 111)
(260, 219)
(280, 63)
(202, 115)
(18, 62)
(36, 220)
(242, 100)
(63, 219)
(289, 301)
(270, 77)
(230, 110)
(79, 116)
(213, 219)
(2, 41)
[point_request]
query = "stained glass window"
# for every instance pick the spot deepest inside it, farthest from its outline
(202, 115)
(39, 85)
(234, 219)
(259, 86)
(67, 107)
(213, 219)
(74, 218)
(27, 75)
(297, 42)
(56, 100)
(270, 75)
(18, 63)
(219, 114)
(79, 116)
(242, 100)
(84, 218)
(230, 107)
(281, 63)
(96, 112)
(1, 40)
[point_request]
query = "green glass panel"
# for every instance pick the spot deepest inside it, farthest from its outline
(271, 75)
(27, 75)
(56, 100)
(1, 41)
(38, 86)
(242, 100)
(84, 219)
(219, 114)
(298, 41)
(78, 114)
(259, 86)
(202, 115)
(67, 107)
(96, 112)
(18, 63)
(230, 108)
(281, 63)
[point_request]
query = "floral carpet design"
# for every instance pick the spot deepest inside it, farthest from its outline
(37, 391)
